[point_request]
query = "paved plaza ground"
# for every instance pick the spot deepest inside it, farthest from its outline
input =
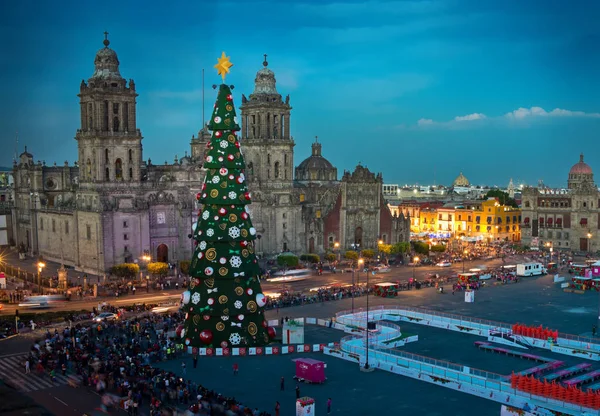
(531, 301)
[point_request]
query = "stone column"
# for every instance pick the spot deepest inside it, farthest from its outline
(62, 278)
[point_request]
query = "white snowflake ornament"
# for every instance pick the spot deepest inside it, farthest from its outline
(234, 232)
(235, 339)
(235, 261)
(224, 318)
(210, 232)
(196, 298)
(232, 195)
(202, 245)
(215, 179)
(205, 215)
(238, 304)
(223, 144)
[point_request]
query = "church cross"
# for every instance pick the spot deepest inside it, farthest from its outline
(105, 35)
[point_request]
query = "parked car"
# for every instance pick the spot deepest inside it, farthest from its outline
(106, 316)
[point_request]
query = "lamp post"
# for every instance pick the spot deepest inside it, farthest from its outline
(463, 259)
(336, 248)
(415, 260)
(41, 266)
(379, 243)
(367, 327)
(359, 262)
(589, 244)
(147, 284)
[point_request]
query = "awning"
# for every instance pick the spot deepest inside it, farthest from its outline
(549, 221)
(541, 221)
(559, 221)
(583, 221)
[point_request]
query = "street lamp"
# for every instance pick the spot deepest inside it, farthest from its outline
(379, 243)
(367, 328)
(360, 263)
(463, 259)
(41, 266)
(415, 260)
(147, 283)
(336, 248)
(589, 247)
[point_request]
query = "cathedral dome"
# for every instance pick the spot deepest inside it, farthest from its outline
(106, 62)
(316, 167)
(461, 180)
(581, 168)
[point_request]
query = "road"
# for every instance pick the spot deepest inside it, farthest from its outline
(401, 273)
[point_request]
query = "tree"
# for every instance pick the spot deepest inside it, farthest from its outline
(386, 249)
(400, 247)
(351, 255)
(125, 270)
(224, 306)
(287, 260)
(502, 197)
(438, 248)
(330, 257)
(184, 266)
(420, 247)
(310, 257)
(158, 269)
(368, 253)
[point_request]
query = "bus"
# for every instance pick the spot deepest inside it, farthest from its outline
(35, 302)
(292, 275)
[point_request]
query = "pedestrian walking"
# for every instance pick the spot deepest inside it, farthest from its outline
(282, 384)
(27, 367)
(297, 391)
(594, 330)
(277, 407)
(183, 371)
(329, 406)
(195, 360)
(235, 369)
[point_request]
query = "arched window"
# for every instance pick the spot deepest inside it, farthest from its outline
(268, 158)
(130, 156)
(276, 169)
(116, 124)
(130, 173)
(88, 170)
(107, 174)
(106, 155)
(285, 160)
(118, 169)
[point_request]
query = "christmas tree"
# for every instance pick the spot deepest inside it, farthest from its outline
(224, 306)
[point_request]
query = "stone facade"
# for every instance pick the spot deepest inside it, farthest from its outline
(563, 218)
(112, 206)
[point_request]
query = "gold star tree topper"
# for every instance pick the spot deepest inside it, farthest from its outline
(223, 65)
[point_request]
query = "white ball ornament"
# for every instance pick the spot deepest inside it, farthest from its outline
(187, 341)
(252, 231)
(210, 301)
(249, 292)
(185, 297)
(240, 317)
(261, 300)
(182, 333)
(194, 225)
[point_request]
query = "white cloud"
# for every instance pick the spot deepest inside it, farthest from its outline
(471, 117)
(517, 115)
(522, 113)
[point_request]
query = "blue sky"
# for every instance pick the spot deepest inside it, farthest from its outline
(418, 90)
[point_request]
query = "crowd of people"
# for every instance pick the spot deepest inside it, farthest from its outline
(116, 359)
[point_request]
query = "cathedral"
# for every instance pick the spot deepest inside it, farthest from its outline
(564, 219)
(112, 206)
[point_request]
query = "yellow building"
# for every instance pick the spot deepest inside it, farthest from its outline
(485, 220)
(496, 222)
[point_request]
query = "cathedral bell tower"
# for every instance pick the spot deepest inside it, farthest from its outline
(269, 148)
(109, 143)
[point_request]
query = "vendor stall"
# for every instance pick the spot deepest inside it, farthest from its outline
(386, 290)
(580, 269)
(309, 370)
(465, 279)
